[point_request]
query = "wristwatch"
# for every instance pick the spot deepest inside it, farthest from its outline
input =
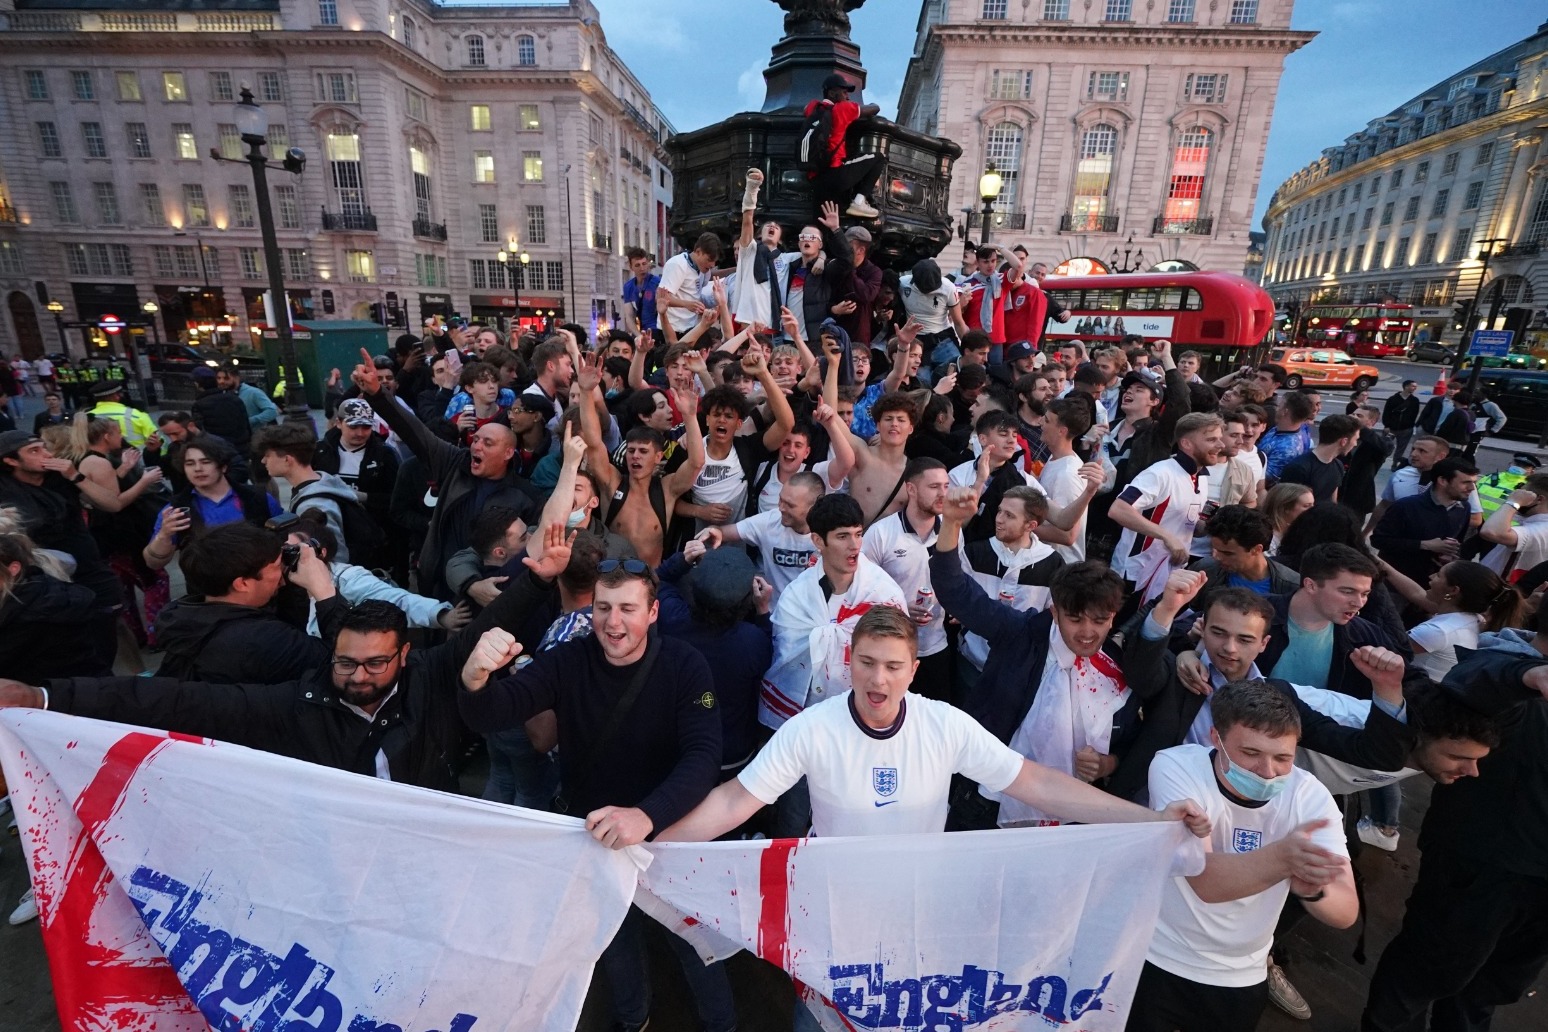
(77, 478)
(1310, 899)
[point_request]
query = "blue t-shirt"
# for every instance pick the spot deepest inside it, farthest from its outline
(1236, 580)
(1279, 447)
(1307, 656)
(227, 510)
(643, 297)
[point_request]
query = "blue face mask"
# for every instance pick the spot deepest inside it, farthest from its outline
(1249, 785)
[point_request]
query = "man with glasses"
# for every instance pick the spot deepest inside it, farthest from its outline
(374, 708)
(639, 747)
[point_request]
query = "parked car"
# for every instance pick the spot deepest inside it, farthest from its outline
(1432, 351)
(1323, 367)
(182, 358)
(1522, 394)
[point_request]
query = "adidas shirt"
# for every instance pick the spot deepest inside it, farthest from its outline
(868, 782)
(785, 554)
(892, 544)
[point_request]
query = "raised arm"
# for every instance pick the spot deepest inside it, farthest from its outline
(900, 345)
(839, 440)
(959, 595)
(588, 375)
(750, 207)
(558, 508)
(637, 363)
(754, 364)
(680, 482)
(437, 455)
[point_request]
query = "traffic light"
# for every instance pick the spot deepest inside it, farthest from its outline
(1517, 319)
(1459, 314)
(379, 313)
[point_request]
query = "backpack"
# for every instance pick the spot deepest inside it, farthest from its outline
(363, 536)
(815, 146)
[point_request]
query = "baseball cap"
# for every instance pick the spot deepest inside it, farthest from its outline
(859, 233)
(356, 412)
(723, 578)
(837, 82)
(202, 374)
(1020, 349)
(13, 441)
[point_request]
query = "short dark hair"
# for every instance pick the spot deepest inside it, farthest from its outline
(1447, 468)
(296, 441)
(580, 573)
(619, 575)
(1337, 427)
(551, 350)
(833, 512)
(314, 524)
(490, 525)
(216, 449)
(725, 397)
(1246, 527)
(708, 245)
(916, 468)
(646, 435)
(895, 401)
(182, 418)
(1034, 504)
(213, 561)
(1241, 600)
(1256, 704)
(474, 372)
(995, 419)
(641, 405)
(1323, 562)
(1086, 588)
(1277, 371)
(1298, 406)
(972, 377)
(1073, 414)
(636, 253)
(374, 616)
(974, 340)
(1435, 712)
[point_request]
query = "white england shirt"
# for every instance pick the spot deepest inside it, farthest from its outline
(1171, 495)
(1062, 483)
(1227, 944)
(785, 554)
(892, 544)
(1531, 548)
(683, 280)
(868, 782)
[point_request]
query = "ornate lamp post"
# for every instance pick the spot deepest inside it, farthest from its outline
(512, 262)
(1124, 264)
(989, 186)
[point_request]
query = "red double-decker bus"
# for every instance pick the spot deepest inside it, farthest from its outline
(1364, 331)
(1228, 320)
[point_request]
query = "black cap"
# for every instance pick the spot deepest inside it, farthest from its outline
(106, 389)
(837, 82)
(722, 579)
(13, 441)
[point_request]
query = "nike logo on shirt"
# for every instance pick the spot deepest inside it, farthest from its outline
(887, 803)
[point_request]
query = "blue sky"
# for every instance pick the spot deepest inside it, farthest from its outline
(703, 59)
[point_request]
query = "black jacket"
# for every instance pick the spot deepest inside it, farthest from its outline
(821, 293)
(1358, 491)
(1282, 580)
(378, 471)
(1342, 675)
(1400, 412)
(42, 621)
(1457, 427)
(417, 727)
(1382, 744)
(224, 643)
(222, 413)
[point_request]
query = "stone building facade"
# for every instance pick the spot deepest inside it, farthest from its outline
(1408, 208)
(434, 137)
(1109, 120)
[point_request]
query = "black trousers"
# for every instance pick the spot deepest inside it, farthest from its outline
(854, 176)
(933, 679)
(1165, 1002)
(1474, 936)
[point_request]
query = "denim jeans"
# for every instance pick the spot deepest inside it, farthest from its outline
(518, 773)
(1382, 805)
(623, 962)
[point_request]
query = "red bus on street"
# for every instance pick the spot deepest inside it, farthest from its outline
(1228, 320)
(1364, 331)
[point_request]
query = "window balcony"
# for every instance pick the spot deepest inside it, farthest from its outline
(428, 230)
(1088, 223)
(7, 213)
(1521, 249)
(602, 241)
(1014, 218)
(349, 222)
(1164, 226)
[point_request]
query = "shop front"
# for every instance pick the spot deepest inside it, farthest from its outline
(192, 313)
(539, 313)
(432, 305)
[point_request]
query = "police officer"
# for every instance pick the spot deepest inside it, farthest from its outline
(109, 404)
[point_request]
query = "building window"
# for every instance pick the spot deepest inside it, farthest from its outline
(271, 88)
(1358, 188)
(477, 278)
(64, 204)
(537, 224)
(279, 138)
(528, 118)
(298, 263)
(1359, 258)
(337, 87)
(194, 205)
(419, 168)
(1119, 10)
(555, 275)
(139, 139)
(1427, 249)
(327, 12)
(99, 260)
(1056, 10)
(347, 174)
(361, 266)
(1473, 196)
(1244, 12)
(1343, 195)
(1421, 172)
(1460, 243)
(1190, 164)
(1179, 11)
(1449, 163)
(483, 166)
(250, 261)
(1108, 86)
(478, 118)
(1397, 180)
(1333, 230)
(1431, 123)
(1411, 212)
(476, 51)
(1002, 148)
(128, 86)
(1404, 249)
(1485, 154)
(1375, 185)
(289, 207)
(994, 10)
(240, 200)
(408, 33)
(1343, 260)
(1010, 84)
(37, 85)
(526, 50)
(1093, 176)
(1442, 199)
(48, 140)
(230, 141)
(106, 196)
(151, 208)
(1378, 253)
(488, 224)
(82, 86)
(183, 138)
(532, 166)
(11, 263)
(1205, 88)
(220, 86)
(173, 87)
(1367, 218)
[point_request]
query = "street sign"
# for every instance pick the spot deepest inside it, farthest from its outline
(1490, 343)
(111, 323)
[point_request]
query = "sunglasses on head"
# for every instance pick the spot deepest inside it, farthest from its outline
(636, 567)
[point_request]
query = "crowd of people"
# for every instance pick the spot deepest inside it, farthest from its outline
(811, 548)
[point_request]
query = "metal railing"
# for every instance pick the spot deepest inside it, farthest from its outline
(1520, 249)
(429, 230)
(344, 221)
(1072, 223)
(1015, 218)
(1174, 226)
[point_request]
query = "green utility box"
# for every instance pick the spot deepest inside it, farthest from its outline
(323, 345)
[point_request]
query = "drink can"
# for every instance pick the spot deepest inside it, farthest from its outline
(467, 409)
(925, 598)
(1008, 596)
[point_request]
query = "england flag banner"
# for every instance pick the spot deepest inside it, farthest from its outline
(184, 884)
(1027, 928)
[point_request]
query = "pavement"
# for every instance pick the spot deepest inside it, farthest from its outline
(1320, 959)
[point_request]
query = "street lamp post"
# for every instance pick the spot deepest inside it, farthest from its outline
(1125, 265)
(513, 261)
(989, 186)
(569, 227)
(57, 308)
(141, 364)
(253, 123)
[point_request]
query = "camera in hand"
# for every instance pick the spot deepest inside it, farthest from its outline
(290, 555)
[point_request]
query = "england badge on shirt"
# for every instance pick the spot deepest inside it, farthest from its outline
(1246, 840)
(884, 780)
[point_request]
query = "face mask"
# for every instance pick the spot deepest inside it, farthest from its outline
(613, 393)
(575, 519)
(1249, 785)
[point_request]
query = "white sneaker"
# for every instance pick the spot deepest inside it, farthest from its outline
(26, 910)
(1372, 835)
(862, 210)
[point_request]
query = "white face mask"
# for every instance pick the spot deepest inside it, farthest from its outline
(575, 519)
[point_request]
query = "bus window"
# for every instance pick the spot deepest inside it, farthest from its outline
(1103, 300)
(1170, 299)
(1193, 301)
(1063, 300)
(1143, 299)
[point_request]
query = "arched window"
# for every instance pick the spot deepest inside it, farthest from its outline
(1185, 188)
(1093, 179)
(526, 50)
(419, 165)
(476, 51)
(408, 33)
(1003, 149)
(346, 171)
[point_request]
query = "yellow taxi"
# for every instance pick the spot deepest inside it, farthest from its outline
(1322, 367)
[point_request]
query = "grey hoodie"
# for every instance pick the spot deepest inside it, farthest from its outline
(1508, 640)
(324, 495)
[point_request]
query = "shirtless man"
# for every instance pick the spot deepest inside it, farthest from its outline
(877, 480)
(639, 501)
